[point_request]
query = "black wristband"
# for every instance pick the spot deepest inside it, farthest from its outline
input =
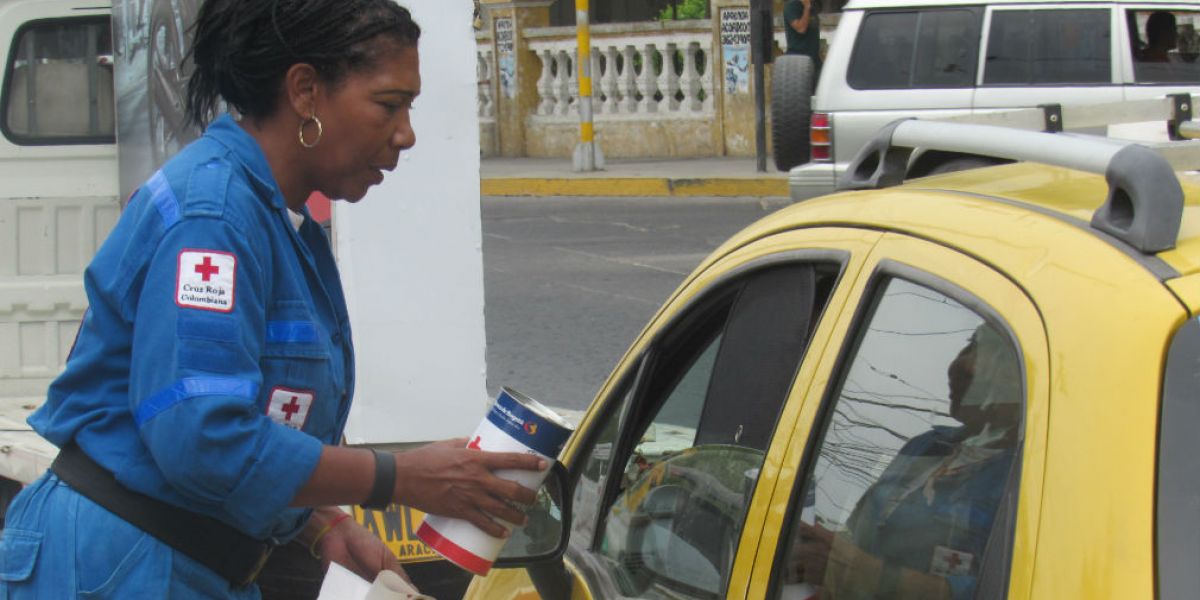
(385, 480)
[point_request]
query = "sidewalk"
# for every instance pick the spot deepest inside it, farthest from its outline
(717, 176)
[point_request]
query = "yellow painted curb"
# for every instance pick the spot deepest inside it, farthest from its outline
(633, 186)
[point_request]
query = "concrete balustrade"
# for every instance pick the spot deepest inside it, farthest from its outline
(660, 89)
(668, 75)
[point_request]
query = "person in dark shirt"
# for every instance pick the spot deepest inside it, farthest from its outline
(803, 29)
(1162, 37)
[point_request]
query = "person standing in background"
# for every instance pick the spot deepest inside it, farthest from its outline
(802, 26)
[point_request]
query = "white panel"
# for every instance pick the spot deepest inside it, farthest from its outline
(70, 256)
(49, 241)
(31, 337)
(8, 240)
(411, 260)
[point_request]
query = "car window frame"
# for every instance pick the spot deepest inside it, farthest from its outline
(630, 389)
(992, 570)
(1114, 57)
(19, 139)
(857, 49)
(1177, 529)
(1127, 51)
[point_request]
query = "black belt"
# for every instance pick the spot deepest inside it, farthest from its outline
(227, 551)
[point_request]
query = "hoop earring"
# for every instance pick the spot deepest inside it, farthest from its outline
(320, 132)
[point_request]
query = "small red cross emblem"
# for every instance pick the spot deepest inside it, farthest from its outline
(474, 445)
(291, 408)
(954, 560)
(207, 269)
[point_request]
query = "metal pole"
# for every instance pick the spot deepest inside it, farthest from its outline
(760, 34)
(587, 154)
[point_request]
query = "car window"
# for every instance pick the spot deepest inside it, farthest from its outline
(1049, 47)
(1165, 45)
(59, 83)
(916, 49)
(589, 485)
(678, 463)
(915, 452)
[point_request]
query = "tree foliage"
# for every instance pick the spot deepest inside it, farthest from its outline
(685, 9)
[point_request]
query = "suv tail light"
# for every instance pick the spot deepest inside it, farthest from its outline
(820, 137)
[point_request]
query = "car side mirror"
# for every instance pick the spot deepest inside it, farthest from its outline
(543, 538)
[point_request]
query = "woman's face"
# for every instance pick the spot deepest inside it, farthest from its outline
(366, 124)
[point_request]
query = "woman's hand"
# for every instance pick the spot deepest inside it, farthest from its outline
(446, 478)
(354, 547)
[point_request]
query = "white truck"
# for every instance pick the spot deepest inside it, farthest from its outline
(58, 201)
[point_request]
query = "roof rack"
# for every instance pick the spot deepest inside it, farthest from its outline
(1144, 205)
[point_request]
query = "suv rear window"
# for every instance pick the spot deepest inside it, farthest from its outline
(1049, 47)
(916, 49)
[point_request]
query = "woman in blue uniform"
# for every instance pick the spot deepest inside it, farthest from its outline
(201, 409)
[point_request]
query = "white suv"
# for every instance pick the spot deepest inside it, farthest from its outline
(891, 59)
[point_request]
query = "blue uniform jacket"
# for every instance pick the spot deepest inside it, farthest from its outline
(215, 358)
(905, 530)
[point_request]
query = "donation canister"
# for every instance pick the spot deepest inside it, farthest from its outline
(515, 423)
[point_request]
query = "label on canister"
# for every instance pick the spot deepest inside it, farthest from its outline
(515, 423)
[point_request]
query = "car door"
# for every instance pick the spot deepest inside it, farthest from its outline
(915, 466)
(673, 464)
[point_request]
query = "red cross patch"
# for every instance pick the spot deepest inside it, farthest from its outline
(948, 562)
(289, 407)
(206, 280)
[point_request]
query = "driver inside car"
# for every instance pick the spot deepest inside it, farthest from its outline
(920, 531)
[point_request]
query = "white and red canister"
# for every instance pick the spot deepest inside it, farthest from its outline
(515, 423)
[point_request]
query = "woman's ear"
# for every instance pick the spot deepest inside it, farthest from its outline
(300, 89)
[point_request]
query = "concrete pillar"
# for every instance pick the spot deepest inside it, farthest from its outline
(734, 104)
(517, 69)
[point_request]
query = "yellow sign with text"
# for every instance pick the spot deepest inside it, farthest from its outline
(397, 527)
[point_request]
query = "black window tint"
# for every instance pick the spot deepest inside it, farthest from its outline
(1049, 47)
(59, 83)
(947, 41)
(915, 457)
(926, 49)
(883, 52)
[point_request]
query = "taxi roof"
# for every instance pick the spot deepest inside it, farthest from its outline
(1018, 217)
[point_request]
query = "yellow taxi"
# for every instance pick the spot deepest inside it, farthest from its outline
(982, 384)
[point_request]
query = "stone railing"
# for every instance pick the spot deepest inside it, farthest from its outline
(639, 71)
(659, 89)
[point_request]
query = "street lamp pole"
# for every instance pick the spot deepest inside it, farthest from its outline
(587, 155)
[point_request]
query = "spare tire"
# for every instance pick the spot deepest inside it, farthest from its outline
(791, 108)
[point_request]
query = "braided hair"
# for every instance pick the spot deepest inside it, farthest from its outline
(241, 49)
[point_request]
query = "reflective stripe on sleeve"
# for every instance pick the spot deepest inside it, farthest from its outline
(164, 198)
(284, 332)
(192, 387)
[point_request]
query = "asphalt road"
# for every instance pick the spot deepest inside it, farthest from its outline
(570, 282)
